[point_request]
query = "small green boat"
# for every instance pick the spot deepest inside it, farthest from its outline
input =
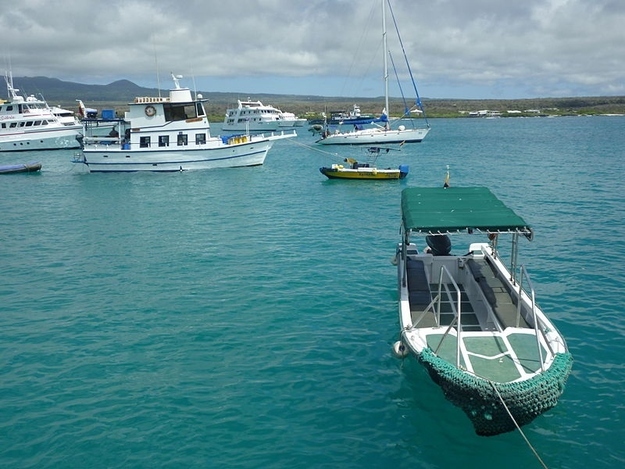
(470, 318)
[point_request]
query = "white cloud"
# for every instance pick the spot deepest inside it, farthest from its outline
(520, 49)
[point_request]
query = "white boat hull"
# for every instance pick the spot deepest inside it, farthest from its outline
(49, 139)
(105, 159)
(375, 136)
(292, 124)
(264, 126)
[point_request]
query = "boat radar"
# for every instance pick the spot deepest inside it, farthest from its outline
(176, 79)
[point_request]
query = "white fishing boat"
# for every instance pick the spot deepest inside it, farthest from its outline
(28, 123)
(254, 116)
(387, 131)
(171, 133)
(471, 319)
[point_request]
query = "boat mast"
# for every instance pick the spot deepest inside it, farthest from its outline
(385, 47)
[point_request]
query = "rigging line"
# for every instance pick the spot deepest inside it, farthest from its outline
(517, 425)
(401, 90)
(363, 41)
(401, 43)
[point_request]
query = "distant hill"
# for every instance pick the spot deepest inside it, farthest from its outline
(55, 90)
(118, 94)
(124, 91)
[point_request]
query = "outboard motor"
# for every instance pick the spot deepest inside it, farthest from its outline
(440, 245)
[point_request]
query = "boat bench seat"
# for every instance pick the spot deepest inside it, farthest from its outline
(419, 292)
(496, 293)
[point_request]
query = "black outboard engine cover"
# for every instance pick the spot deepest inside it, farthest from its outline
(440, 245)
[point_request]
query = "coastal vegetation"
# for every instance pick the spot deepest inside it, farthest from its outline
(118, 94)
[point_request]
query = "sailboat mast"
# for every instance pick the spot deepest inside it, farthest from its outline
(385, 47)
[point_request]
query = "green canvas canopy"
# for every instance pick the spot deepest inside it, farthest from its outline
(436, 210)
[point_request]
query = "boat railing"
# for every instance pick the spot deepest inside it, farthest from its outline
(444, 272)
(524, 275)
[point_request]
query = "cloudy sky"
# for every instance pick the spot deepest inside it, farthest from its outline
(456, 48)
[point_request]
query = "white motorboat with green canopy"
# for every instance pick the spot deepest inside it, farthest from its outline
(470, 319)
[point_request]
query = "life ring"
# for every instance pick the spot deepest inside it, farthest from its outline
(150, 111)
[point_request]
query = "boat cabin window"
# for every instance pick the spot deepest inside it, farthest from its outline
(200, 109)
(163, 140)
(144, 142)
(200, 139)
(179, 112)
(13, 124)
(9, 108)
(183, 140)
(29, 124)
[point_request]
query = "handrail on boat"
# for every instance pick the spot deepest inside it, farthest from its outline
(514, 253)
(458, 311)
(532, 295)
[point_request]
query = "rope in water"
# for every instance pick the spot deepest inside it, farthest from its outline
(517, 426)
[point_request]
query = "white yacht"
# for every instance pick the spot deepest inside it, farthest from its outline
(255, 116)
(28, 123)
(170, 133)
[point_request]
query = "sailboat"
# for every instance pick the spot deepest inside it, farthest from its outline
(381, 134)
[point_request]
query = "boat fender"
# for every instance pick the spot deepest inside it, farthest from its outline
(399, 349)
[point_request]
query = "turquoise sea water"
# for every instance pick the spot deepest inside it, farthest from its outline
(244, 317)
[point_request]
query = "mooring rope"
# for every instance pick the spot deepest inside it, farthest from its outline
(517, 426)
(310, 147)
